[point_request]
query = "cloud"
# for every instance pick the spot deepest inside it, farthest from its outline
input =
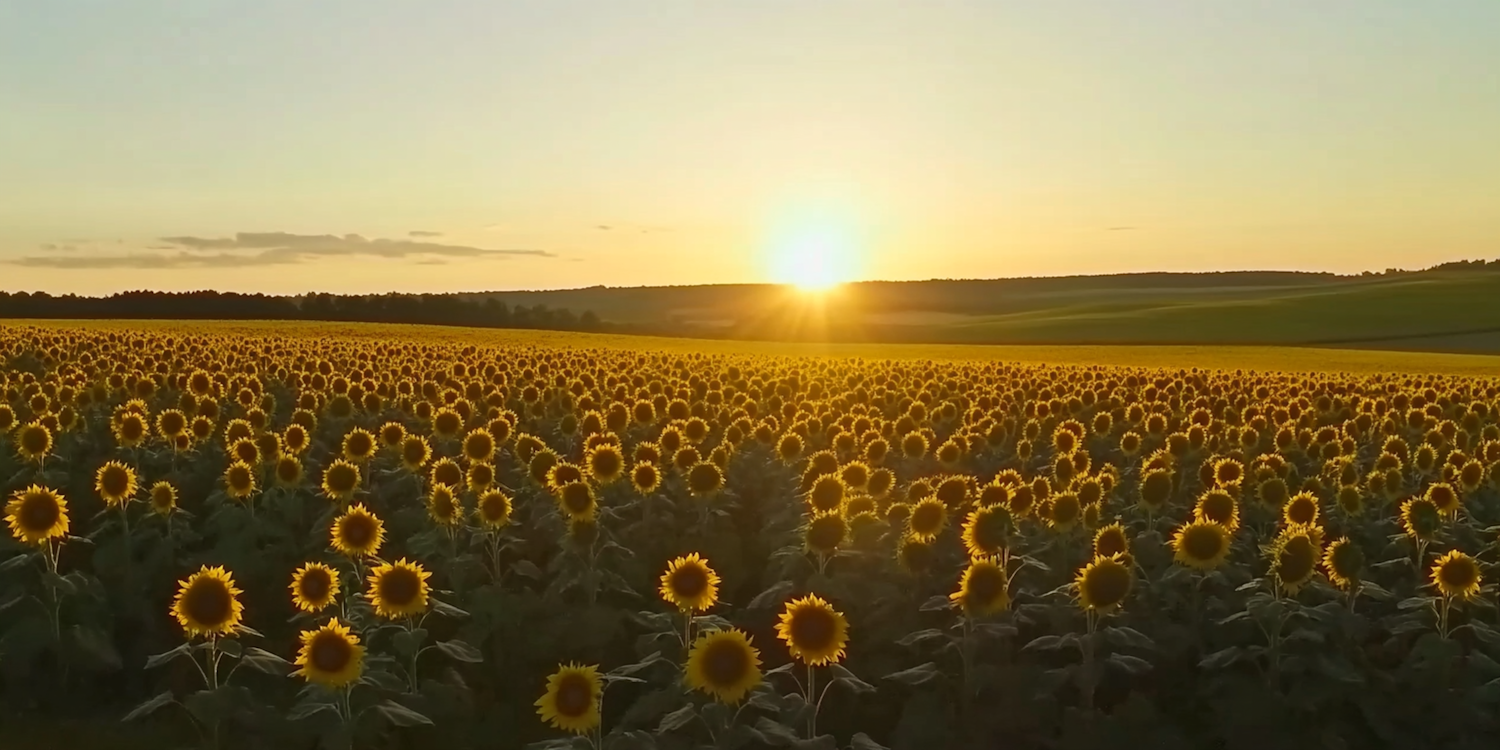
(52, 248)
(603, 227)
(423, 233)
(248, 249)
(1118, 229)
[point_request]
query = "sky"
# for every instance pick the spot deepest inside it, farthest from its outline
(361, 146)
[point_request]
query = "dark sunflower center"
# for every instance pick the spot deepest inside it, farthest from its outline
(1106, 585)
(360, 445)
(357, 531)
(827, 495)
(448, 474)
(400, 587)
(725, 663)
(574, 696)
(330, 652)
(704, 478)
(162, 498)
(478, 448)
(34, 439)
(288, 470)
(208, 602)
(494, 508)
(645, 475)
(1202, 543)
(132, 429)
(316, 584)
(689, 581)
(1457, 574)
(1302, 512)
(342, 478)
(115, 481)
(916, 556)
(481, 475)
(813, 628)
(986, 584)
(1110, 543)
(825, 533)
(1296, 561)
(239, 478)
(926, 518)
(39, 512)
(414, 452)
(172, 423)
(1065, 509)
(443, 505)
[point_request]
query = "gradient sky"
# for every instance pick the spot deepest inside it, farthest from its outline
(630, 142)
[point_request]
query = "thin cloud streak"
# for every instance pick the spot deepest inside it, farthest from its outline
(271, 249)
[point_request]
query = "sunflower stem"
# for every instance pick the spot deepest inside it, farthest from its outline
(812, 718)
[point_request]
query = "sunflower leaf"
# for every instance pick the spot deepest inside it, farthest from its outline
(911, 639)
(918, 675)
(776, 733)
(862, 741)
(149, 706)
(677, 719)
(1044, 643)
(1131, 664)
(447, 610)
(630, 669)
(16, 561)
(842, 675)
(771, 596)
(400, 715)
(937, 603)
(460, 651)
(1222, 658)
(157, 660)
(262, 660)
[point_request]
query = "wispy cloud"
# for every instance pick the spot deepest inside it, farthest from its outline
(248, 249)
(423, 233)
(1118, 229)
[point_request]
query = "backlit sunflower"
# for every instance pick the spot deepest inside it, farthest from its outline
(391, 435)
(1344, 563)
(1104, 583)
(827, 494)
(398, 589)
(163, 498)
(1420, 518)
(689, 584)
(1351, 500)
(984, 588)
(1272, 492)
(914, 554)
(1302, 509)
(705, 478)
(294, 439)
(447, 471)
(341, 480)
(1456, 575)
(116, 483)
(34, 442)
(571, 702)
(443, 506)
(494, 509)
(605, 463)
(814, 632)
(358, 446)
(928, 518)
(1112, 540)
(645, 478)
(415, 452)
(289, 471)
(825, 532)
(357, 532)
(130, 430)
(576, 500)
(239, 481)
(1444, 497)
(724, 665)
(207, 603)
(1156, 489)
(314, 587)
(330, 656)
(479, 445)
(1201, 544)
(37, 514)
(1295, 555)
(987, 530)
(1063, 511)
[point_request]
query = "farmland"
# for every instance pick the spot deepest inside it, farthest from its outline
(234, 535)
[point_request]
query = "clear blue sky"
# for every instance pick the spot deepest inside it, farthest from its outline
(555, 143)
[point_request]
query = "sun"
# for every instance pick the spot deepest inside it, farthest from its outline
(814, 253)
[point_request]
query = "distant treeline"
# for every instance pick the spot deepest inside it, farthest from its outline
(428, 309)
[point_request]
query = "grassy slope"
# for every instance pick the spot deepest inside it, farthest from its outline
(1231, 357)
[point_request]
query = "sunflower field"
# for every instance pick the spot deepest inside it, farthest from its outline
(315, 540)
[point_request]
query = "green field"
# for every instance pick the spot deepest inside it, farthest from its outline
(1282, 358)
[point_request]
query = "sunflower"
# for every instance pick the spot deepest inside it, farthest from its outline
(1295, 555)
(294, 439)
(1156, 489)
(1444, 497)
(1201, 544)
(358, 446)
(814, 632)
(392, 434)
(130, 430)
(446, 471)
(1104, 583)
(984, 588)
(415, 452)
(1063, 511)
(37, 514)
(606, 463)
(330, 656)
(289, 471)
(239, 481)
(645, 478)
(443, 506)
(358, 532)
(928, 517)
(1301, 510)
(116, 483)
(1227, 473)
(827, 494)
(1272, 492)
(340, 480)
(398, 589)
(1456, 575)
(1344, 562)
(479, 445)
(207, 603)
(577, 500)
(245, 451)
(987, 530)
(724, 665)
(480, 477)
(163, 498)
(1112, 540)
(571, 702)
(314, 587)
(914, 554)
(34, 442)
(1351, 500)
(705, 478)
(494, 508)
(825, 532)
(1420, 518)
(689, 584)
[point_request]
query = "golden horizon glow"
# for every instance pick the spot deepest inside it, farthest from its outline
(815, 251)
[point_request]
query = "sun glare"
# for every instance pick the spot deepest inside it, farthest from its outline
(814, 256)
